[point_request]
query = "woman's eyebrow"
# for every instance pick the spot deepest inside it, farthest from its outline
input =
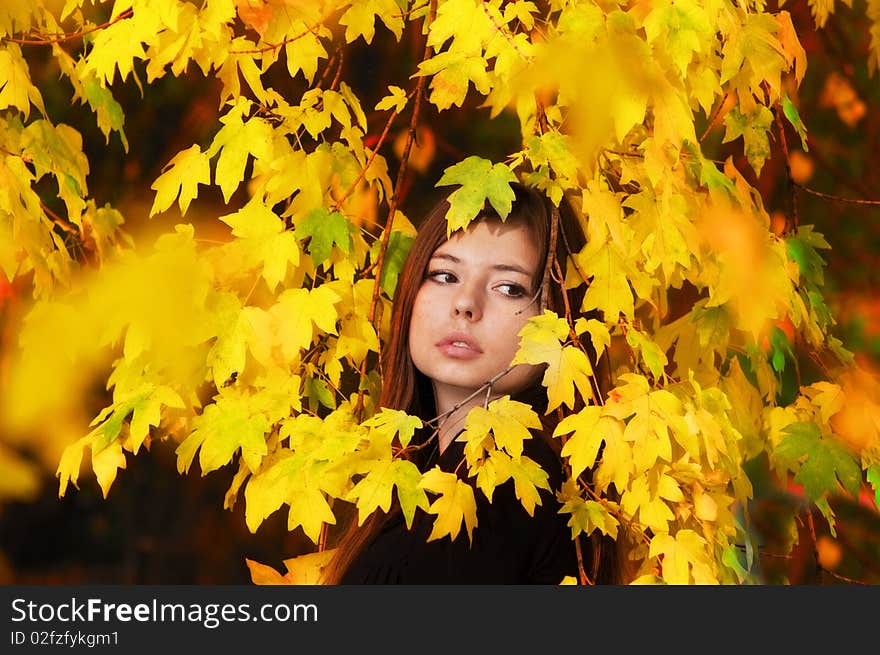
(513, 268)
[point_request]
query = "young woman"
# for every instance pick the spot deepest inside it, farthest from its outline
(459, 306)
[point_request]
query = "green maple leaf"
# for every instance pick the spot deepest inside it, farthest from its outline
(57, 149)
(324, 229)
(480, 180)
(409, 494)
(318, 393)
(874, 479)
(107, 110)
(820, 465)
(393, 260)
(653, 355)
(794, 117)
(801, 248)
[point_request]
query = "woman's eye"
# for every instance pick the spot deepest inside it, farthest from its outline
(443, 277)
(512, 290)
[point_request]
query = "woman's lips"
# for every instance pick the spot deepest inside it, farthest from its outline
(459, 346)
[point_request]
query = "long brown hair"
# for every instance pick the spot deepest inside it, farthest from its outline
(405, 388)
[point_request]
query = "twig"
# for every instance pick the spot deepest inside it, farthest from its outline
(67, 226)
(791, 222)
(504, 32)
(488, 384)
(714, 118)
(338, 203)
(128, 13)
(836, 198)
(275, 46)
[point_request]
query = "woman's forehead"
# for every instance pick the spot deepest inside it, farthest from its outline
(492, 242)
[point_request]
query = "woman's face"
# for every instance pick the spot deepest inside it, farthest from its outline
(473, 301)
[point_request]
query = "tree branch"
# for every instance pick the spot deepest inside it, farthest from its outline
(45, 40)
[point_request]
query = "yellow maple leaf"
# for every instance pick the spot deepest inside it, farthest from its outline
(567, 366)
(307, 569)
(586, 515)
(298, 312)
(263, 574)
(374, 490)
(490, 471)
(106, 463)
(642, 499)
(393, 422)
(685, 558)
(182, 175)
(589, 430)
(507, 420)
(310, 510)
(528, 477)
(455, 504)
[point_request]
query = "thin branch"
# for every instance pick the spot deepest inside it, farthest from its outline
(338, 203)
(714, 118)
(791, 222)
(487, 384)
(335, 83)
(836, 198)
(128, 13)
(67, 226)
(274, 46)
(503, 32)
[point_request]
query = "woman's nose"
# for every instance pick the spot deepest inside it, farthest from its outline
(466, 304)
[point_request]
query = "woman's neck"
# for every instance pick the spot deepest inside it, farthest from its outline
(454, 409)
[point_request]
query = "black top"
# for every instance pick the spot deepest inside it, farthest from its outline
(509, 546)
